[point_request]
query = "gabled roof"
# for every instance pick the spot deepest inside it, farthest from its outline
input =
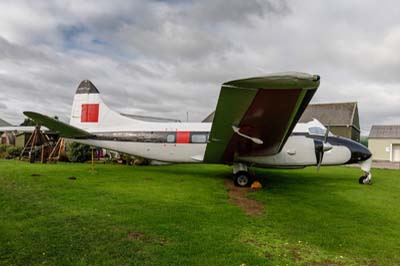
(385, 132)
(4, 123)
(331, 113)
(327, 113)
(209, 118)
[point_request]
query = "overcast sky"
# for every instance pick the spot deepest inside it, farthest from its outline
(165, 58)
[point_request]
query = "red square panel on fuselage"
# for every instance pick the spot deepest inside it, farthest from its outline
(182, 137)
(90, 113)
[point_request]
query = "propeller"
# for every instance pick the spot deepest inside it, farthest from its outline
(321, 147)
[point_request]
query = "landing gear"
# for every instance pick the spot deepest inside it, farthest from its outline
(242, 179)
(241, 176)
(365, 179)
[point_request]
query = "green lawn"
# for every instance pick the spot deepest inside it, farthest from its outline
(180, 215)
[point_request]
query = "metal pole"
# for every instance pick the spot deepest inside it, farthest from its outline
(92, 159)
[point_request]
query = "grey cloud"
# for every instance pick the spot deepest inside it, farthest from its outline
(169, 57)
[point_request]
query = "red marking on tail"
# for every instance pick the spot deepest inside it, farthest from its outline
(182, 137)
(90, 113)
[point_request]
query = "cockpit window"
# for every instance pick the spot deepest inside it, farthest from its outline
(317, 131)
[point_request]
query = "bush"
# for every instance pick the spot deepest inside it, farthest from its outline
(9, 151)
(13, 152)
(77, 152)
(3, 147)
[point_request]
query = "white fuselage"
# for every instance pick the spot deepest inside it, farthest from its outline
(299, 150)
(153, 140)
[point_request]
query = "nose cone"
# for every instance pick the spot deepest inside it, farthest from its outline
(358, 151)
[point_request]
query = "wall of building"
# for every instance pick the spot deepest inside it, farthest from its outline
(346, 131)
(342, 131)
(21, 139)
(355, 134)
(380, 148)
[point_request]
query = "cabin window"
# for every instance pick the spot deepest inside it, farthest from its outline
(317, 131)
(199, 138)
(171, 138)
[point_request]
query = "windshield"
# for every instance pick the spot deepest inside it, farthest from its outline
(317, 131)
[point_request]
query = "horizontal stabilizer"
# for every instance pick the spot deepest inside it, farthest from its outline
(26, 129)
(59, 127)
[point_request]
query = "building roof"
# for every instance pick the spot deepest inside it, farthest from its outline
(385, 132)
(4, 123)
(333, 114)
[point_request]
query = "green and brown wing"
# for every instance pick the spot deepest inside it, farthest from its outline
(263, 108)
(65, 130)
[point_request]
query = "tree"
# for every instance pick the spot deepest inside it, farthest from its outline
(77, 152)
(28, 122)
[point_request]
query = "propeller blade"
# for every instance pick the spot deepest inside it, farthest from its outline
(321, 156)
(326, 133)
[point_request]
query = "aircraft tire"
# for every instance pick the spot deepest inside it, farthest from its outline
(242, 179)
(363, 180)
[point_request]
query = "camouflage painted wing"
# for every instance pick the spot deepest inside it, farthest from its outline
(255, 116)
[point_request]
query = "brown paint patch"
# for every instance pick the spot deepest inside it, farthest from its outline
(237, 195)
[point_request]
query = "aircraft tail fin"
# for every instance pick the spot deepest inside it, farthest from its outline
(89, 112)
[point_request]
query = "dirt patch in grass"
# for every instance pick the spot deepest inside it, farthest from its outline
(325, 263)
(35, 174)
(135, 235)
(237, 195)
(371, 263)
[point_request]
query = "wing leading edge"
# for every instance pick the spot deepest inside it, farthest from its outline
(255, 116)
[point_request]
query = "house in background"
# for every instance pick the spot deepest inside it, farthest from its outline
(342, 118)
(4, 123)
(6, 137)
(384, 143)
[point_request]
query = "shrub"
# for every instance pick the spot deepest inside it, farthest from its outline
(77, 152)
(13, 152)
(9, 151)
(3, 147)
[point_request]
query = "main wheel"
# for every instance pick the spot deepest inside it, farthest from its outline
(242, 179)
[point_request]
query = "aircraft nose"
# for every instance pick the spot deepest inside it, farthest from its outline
(358, 151)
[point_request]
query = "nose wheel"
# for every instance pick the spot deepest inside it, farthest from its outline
(365, 179)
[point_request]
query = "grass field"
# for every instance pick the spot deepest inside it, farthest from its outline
(181, 215)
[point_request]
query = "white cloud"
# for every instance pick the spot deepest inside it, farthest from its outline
(168, 57)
